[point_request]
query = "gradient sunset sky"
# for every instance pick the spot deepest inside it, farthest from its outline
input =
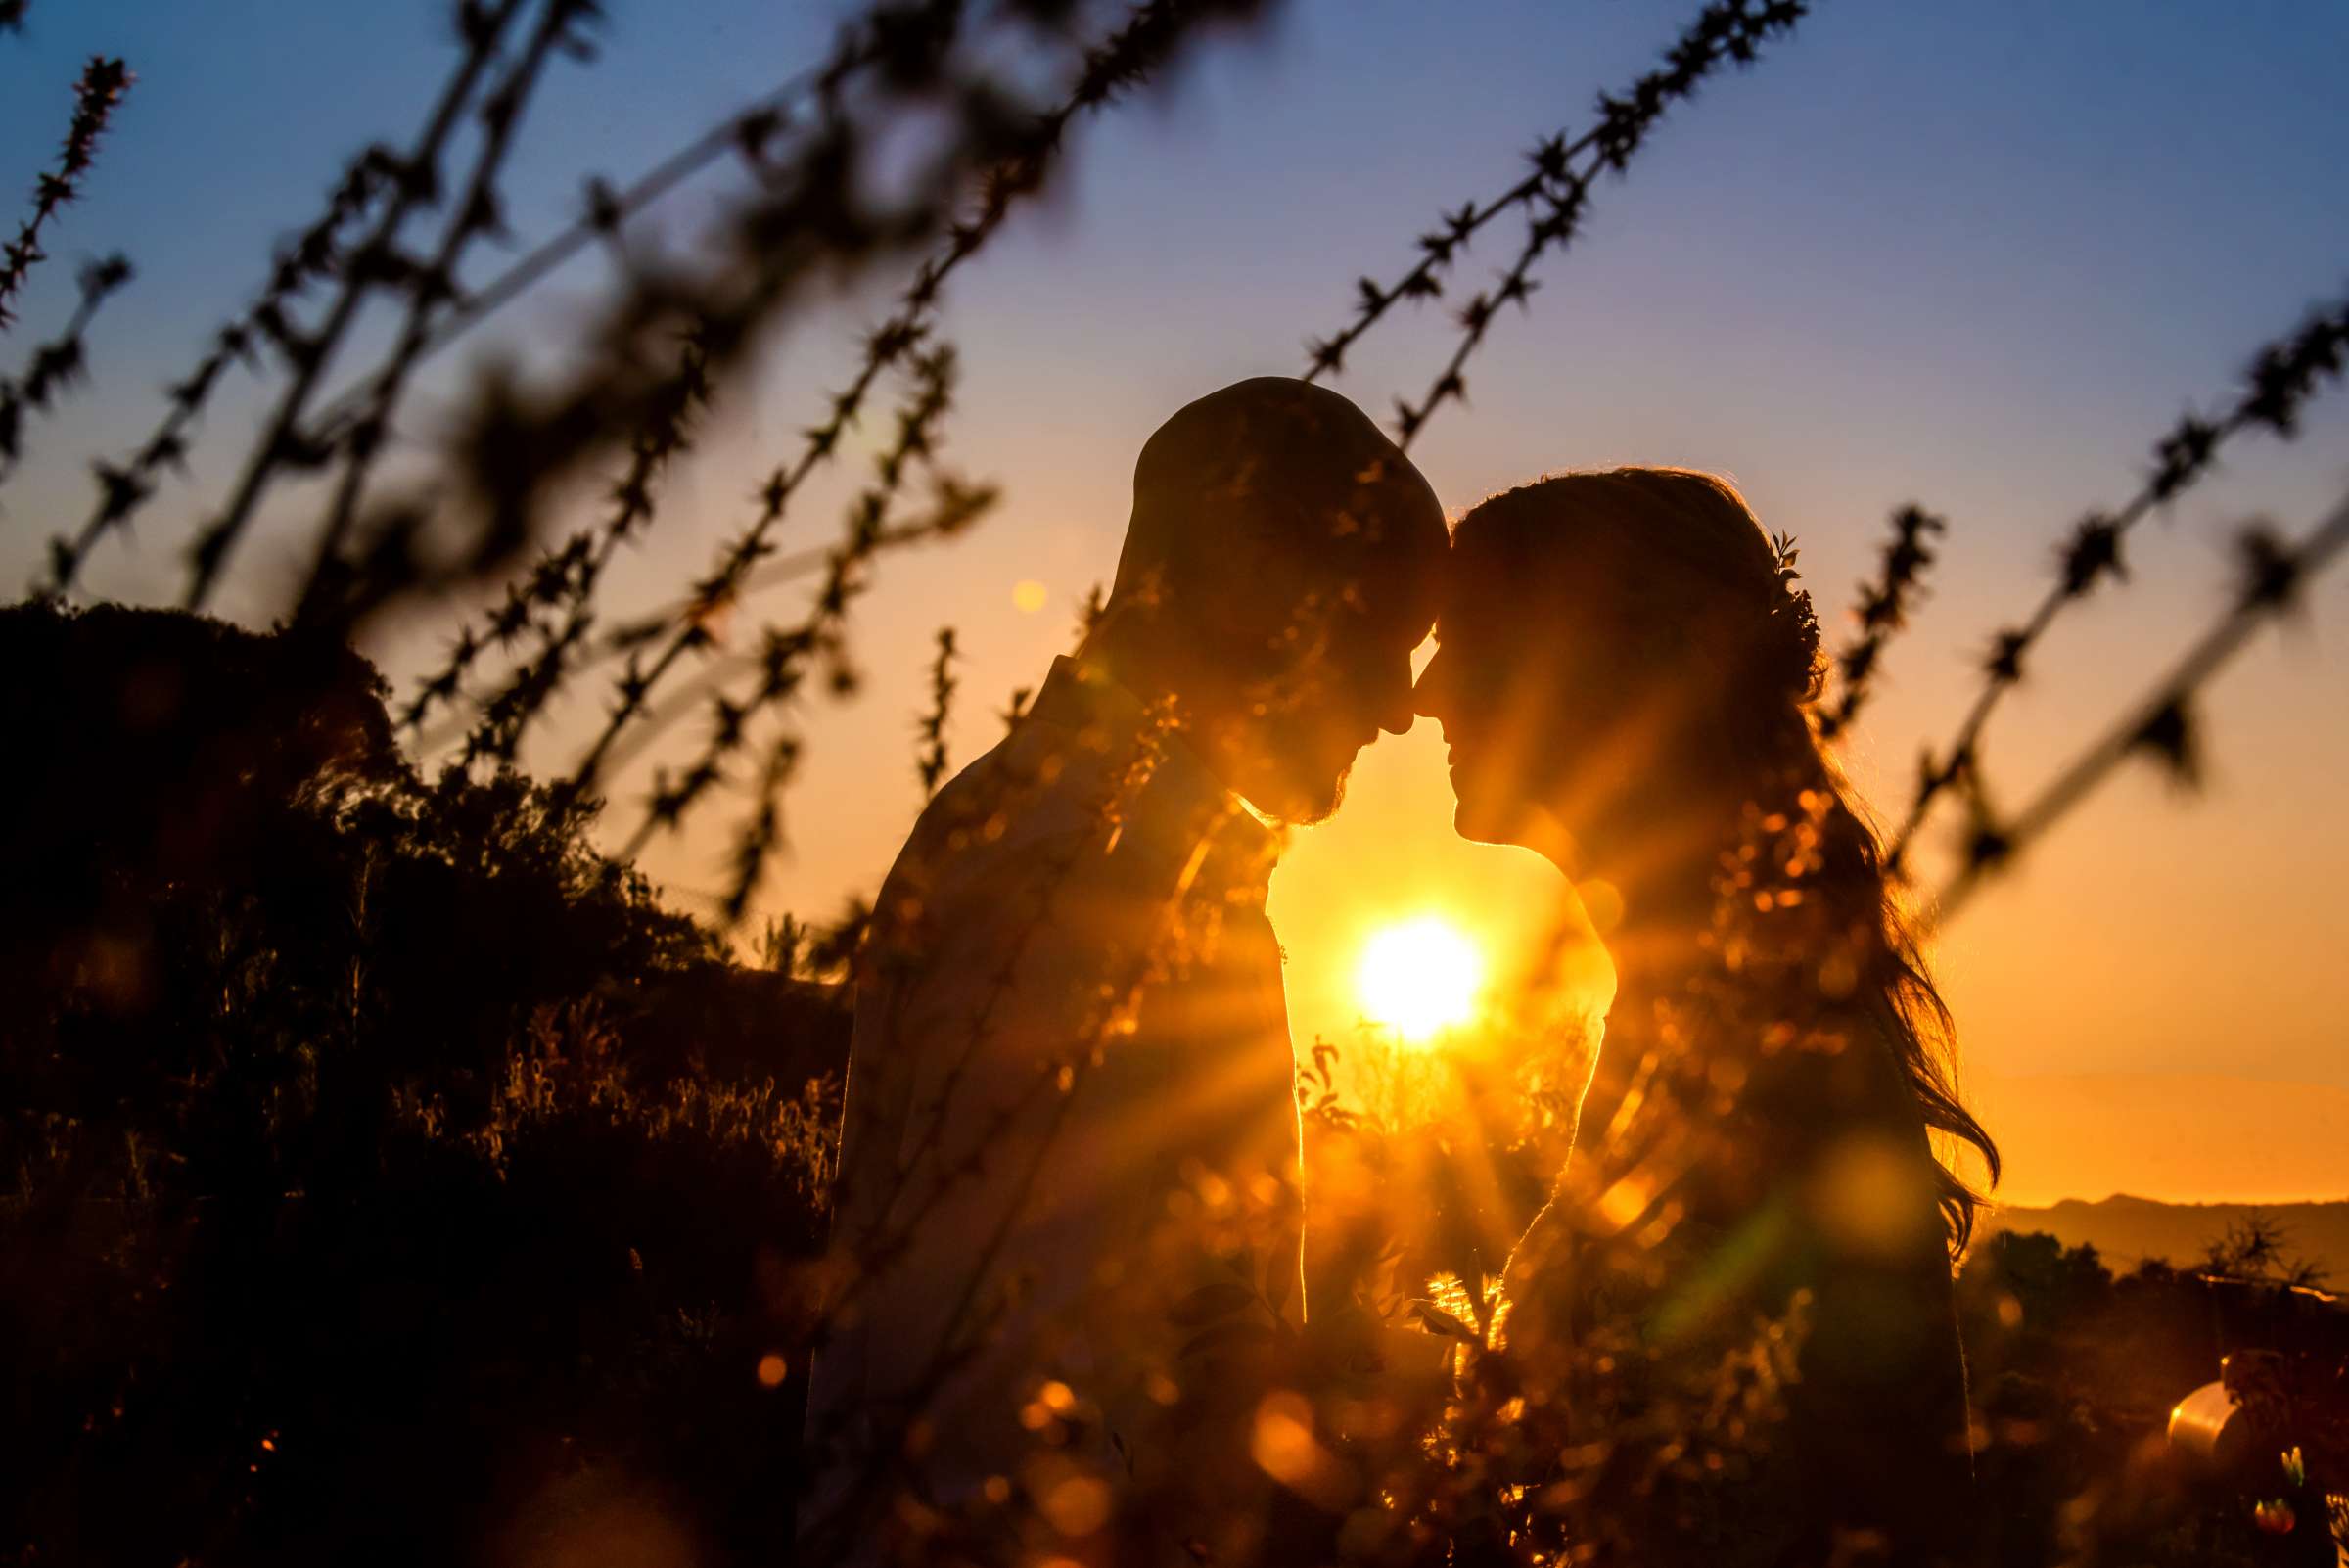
(1976, 257)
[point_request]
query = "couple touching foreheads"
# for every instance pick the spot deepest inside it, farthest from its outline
(1069, 1220)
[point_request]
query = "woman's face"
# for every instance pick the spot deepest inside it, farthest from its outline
(1550, 705)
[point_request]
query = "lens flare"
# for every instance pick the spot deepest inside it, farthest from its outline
(1421, 977)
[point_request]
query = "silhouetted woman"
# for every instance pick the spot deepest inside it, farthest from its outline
(1737, 1304)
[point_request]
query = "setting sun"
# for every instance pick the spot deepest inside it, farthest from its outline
(1421, 977)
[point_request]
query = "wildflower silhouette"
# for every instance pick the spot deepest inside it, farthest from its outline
(1882, 612)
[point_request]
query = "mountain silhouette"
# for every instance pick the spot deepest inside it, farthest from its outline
(2128, 1229)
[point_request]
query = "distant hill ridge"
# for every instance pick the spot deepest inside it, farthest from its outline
(2127, 1229)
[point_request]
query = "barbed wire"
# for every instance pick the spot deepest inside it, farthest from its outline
(97, 92)
(2281, 379)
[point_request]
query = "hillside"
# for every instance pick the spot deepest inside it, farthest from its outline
(2125, 1229)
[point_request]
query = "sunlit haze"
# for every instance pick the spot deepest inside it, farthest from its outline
(1421, 977)
(1977, 258)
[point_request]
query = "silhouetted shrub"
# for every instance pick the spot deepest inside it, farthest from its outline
(387, 1173)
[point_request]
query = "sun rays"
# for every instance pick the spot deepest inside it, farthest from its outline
(1421, 977)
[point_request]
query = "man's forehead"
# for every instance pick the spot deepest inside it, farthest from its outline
(1400, 591)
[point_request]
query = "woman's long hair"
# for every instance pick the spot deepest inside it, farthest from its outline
(1681, 549)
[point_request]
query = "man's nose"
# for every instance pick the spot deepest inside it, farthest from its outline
(1396, 713)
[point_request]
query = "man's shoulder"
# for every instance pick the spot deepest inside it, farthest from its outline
(1029, 786)
(1012, 818)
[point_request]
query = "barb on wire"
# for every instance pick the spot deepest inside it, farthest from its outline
(101, 87)
(57, 363)
(1885, 601)
(284, 442)
(1732, 31)
(2281, 379)
(2162, 726)
(126, 485)
(929, 762)
(12, 14)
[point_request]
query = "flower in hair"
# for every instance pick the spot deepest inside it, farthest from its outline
(1791, 613)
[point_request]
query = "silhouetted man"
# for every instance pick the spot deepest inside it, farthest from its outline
(1067, 1217)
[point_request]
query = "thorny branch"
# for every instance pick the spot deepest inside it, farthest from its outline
(57, 363)
(283, 444)
(101, 85)
(863, 536)
(748, 132)
(1553, 197)
(430, 286)
(567, 577)
(1151, 35)
(125, 486)
(1883, 610)
(930, 762)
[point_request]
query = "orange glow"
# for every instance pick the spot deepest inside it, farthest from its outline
(1284, 1447)
(1421, 977)
(1078, 1506)
(772, 1369)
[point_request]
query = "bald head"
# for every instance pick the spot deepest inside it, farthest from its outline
(1281, 565)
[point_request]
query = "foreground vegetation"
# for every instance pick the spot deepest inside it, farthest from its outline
(391, 1178)
(388, 1176)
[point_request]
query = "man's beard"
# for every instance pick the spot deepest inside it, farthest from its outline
(1305, 803)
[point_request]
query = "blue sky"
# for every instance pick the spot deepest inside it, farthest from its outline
(1974, 256)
